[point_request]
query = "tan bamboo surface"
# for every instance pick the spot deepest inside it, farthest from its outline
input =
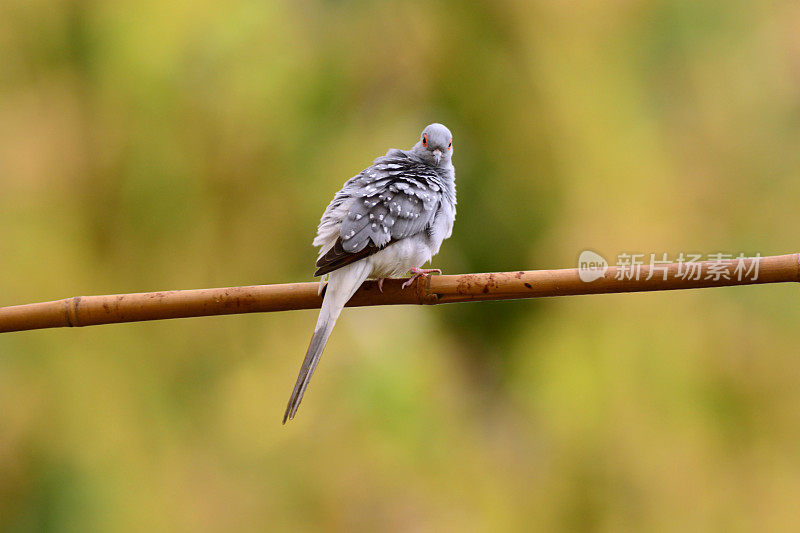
(92, 310)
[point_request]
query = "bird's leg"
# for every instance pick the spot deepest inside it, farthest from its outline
(417, 272)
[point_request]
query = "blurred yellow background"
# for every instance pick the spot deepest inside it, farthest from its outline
(150, 145)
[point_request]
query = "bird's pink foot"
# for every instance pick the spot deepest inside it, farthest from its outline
(417, 272)
(380, 284)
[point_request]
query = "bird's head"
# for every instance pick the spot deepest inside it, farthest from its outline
(435, 145)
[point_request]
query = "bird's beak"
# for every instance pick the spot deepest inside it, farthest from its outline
(437, 155)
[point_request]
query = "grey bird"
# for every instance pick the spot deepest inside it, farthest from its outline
(388, 220)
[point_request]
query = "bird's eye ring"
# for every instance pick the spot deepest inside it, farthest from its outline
(450, 144)
(424, 139)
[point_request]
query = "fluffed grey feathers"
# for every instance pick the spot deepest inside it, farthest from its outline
(390, 218)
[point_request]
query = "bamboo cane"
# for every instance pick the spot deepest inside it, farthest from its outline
(92, 310)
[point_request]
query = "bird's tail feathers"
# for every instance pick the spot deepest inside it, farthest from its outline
(341, 286)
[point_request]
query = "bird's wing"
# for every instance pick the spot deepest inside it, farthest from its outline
(395, 198)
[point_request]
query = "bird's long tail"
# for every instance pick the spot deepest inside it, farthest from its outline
(342, 284)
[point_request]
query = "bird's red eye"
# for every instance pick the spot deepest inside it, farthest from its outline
(450, 144)
(424, 139)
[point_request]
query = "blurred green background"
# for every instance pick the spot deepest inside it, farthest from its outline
(161, 145)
